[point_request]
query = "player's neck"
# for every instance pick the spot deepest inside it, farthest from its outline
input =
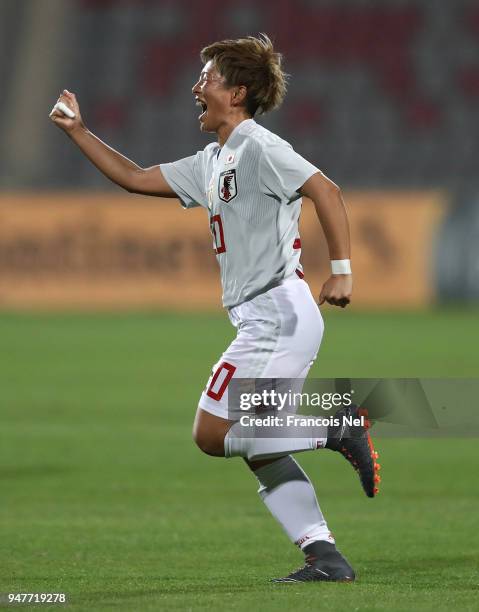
(225, 129)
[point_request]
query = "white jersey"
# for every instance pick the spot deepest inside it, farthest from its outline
(250, 189)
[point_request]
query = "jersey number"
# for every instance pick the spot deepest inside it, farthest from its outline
(218, 234)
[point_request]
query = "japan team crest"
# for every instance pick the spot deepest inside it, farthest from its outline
(227, 188)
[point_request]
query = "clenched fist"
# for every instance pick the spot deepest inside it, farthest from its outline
(337, 290)
(61, 117)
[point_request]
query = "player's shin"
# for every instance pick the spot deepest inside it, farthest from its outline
(290, 497)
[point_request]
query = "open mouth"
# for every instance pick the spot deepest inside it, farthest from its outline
(204, 108)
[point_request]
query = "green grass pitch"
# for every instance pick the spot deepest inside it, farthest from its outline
(105, 497)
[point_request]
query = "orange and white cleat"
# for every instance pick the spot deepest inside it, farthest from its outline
(355, 444)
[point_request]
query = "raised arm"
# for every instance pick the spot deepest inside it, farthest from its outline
(114, 165)
(331, 212)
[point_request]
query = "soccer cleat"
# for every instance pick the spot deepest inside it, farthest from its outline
(355, 444)
(324, 563)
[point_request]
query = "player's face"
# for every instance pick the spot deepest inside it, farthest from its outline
(214, 98)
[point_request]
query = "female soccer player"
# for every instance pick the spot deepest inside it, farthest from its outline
(251, 183)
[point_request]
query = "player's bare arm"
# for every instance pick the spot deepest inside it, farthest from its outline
(114, 165)
(331, 212)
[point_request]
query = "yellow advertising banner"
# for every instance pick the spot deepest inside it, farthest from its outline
(95, 250)
(393, 238)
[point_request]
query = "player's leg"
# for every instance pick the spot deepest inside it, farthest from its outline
(289, 495)
(279, 336)
(214, 434)
(284, 487)
(352, 441)
(209, 432)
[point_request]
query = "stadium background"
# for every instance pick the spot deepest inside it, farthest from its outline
(110, 317)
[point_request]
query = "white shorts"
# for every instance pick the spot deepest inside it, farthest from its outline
(279, 334)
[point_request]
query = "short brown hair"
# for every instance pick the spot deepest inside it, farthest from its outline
(251, 62)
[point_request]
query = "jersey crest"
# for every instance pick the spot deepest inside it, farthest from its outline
(227, 188)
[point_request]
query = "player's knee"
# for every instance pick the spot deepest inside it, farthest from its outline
(209, 444)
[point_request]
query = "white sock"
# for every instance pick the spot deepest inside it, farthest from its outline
(254, 449)
(289, 495)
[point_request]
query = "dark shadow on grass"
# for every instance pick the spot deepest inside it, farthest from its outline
(28, 471)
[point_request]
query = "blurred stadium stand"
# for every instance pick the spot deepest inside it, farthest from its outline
(382, 94)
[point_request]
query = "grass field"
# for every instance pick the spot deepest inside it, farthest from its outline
(105, 497)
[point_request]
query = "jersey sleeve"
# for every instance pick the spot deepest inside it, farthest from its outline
(187, 179)
(282, 172)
